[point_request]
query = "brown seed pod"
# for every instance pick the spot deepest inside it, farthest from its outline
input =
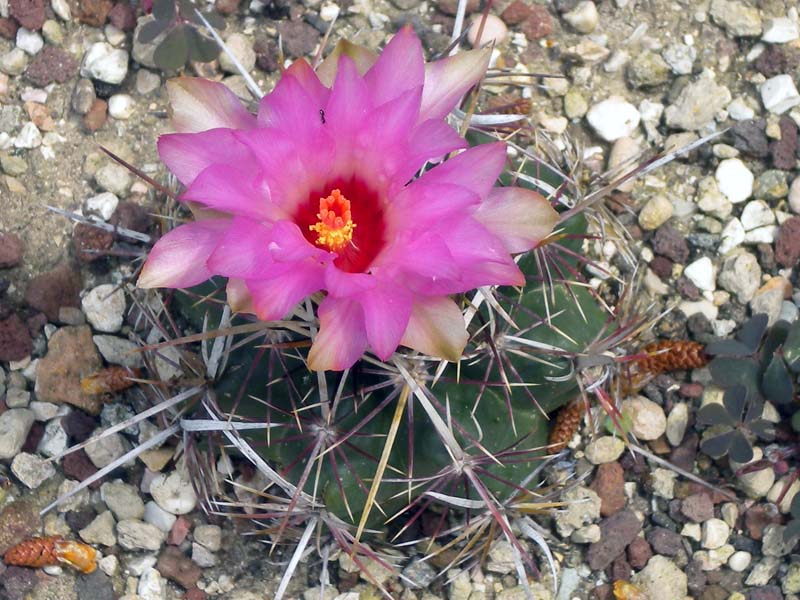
(672, 355)
(52, 550)
(566, 424)
(111, 379)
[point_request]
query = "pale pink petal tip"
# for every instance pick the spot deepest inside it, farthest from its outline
(179, 258)
(341, 339)
(198, 104)
(520, 218)
(436, 328)
(448, 79)
(361, 55)
(239, 298)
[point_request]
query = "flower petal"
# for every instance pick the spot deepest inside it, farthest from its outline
(349, 103)
(232, 190)
(520, 218)
(433, 139)
(436, 328)
(362, 56)
(421, 206)
(340, 284)
(477, 168)
(342, 337)
(238, 297)
(448, 79)
(292, 109)
(401, 67)
(289, 283)
(386, 313)
(242, 251)
(179, 258)
(197, 104)
(187, 154)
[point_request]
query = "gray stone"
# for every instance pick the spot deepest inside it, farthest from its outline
(242, 48)
(741, 275)
(104, 307)
(100, 530)
(114, 178)
(697, 104)
(31, 469)
(119, 351)
(582, 507)
(122, 499)
(55, 439)
(209, 536)
(421, 574)
(104, 62)
(662, 579)
(202, 556)
(133, 534)
(15, 424)
(107, 449)
(647, 69)
(772, 542)
(738, 19)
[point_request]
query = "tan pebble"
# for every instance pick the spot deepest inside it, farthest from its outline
(494, 31)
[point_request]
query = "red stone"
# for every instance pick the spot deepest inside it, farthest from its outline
(90, 242)
(28, 13)
(51, 65)
(639, 552)
(8, 28)
(176, 567)
(50, 291)
(539, 24)
(94, 12)
(15, 340)
(787, 248)
(10, 250)
(123, 16)
(180, 529)
(515, 13)
(609, 484)
(96, 117)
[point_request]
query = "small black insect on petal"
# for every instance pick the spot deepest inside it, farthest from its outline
(322, 115)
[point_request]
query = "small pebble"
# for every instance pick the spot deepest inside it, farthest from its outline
(702, 273)
(780, 30)
(613, 118)
(121, 106)
(29, 41)
(648, 421)
(604, 449)
(735, 180)
(104, 62)
(174, 493)
(102, 205)
(494, 31)
(583, 17)
(104, 307)
(779, 94)
(715, 534)
(739, 561)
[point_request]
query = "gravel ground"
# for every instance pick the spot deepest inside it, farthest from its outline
(715, 230)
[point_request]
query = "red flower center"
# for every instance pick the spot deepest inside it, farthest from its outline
(345, 217)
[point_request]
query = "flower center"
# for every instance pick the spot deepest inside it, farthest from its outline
(335, 226)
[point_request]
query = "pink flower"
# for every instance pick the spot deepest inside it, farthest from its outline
(318, 193)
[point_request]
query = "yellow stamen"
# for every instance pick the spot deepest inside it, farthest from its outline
(335, 226)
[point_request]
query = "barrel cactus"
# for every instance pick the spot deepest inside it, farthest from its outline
(384, 331)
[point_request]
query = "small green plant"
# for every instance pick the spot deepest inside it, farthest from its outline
(184, 40)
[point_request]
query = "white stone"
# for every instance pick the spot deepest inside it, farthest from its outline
(702, 273)
(138, 535)
(583, 17)
(663, 482)
(329, 11)
(780, 30)
(13, 62)
(119, 351)
(173, 492)
(29, 41)
(28, 137)
(779, 94)
(703, 307)
(209, 536)
(114, 36)
(104, 62)
(100, 530)
(113, 178)
(494, 32)
(738, 110)
(647, 418)
(15, 424)
(152, 585)
(693, 531)
(109, 565)
(677, 420)
(107, 449)
(761, 235)
(121, 106)
(103, 205)
(31, 469)
(44, 411)
(613, 118)
(202, 556)
(739, 561)
(662, 579)
(604, 449)
(756, 214)
(755, 484)
(735, 180)
(242, 48)
(122, 499)
(622, 160)
(655, 213)
(732, 236)
(62, 9)
(715, 534)
(155, 515)
(54, 441)
(104, 307)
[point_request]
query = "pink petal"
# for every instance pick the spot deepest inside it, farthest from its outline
(340, 284)
(242, 251)
(287, 243)
(425, 254)
(433, 139)
(400, 68)
(289, 283)
(436, 328)
(198, 104)
(229, 189)
(342, 337)
(477, 168)
(309, 80)
(238, 297)
(520, 218)
(482, 258)
(179, 258)
(448, 79)
(187, 154)
(292, 109)
(421, 206)
(386, 313)
(349, 103)
(362, 56)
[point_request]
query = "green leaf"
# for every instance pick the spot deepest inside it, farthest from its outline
(740, 449)
(735, 401)
(727, 372)
(791, 347)
(714, 414)
(152, 30)
(777, 382)
(172, 53)
(752, 331)
(796, 421)
(717, 446)
(795, 508)
(164, 10)
(727, 348)
(201, 48)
